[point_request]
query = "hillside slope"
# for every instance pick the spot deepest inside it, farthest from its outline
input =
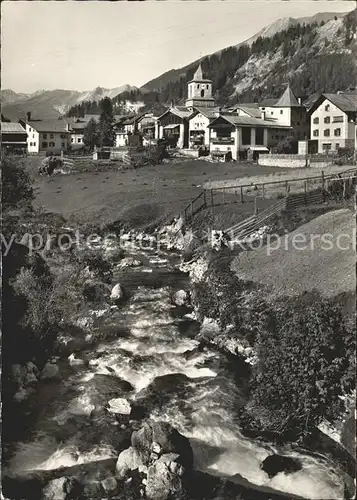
(292, 269)
(174, 75)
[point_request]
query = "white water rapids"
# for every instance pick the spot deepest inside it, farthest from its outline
(206, 412)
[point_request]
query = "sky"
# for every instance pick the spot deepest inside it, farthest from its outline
(80, 45)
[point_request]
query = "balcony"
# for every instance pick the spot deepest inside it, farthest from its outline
(222, 140)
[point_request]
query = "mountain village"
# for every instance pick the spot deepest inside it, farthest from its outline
(201, 128)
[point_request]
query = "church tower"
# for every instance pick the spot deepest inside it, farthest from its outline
(199, 91)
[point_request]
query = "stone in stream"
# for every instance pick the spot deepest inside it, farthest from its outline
(181, 298)
(62, 488)
(274, 464)
(119, 405)
(109, 484)
(164, 478)
(130, 262)
(117, 293)
(50, 370)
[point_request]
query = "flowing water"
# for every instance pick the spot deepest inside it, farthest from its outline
(200, 395)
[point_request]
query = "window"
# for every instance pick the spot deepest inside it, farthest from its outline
(79, 139)
(44, 144)
(34, 144)
(63, 145)
(72, 140)
(33, 136)
(45, 136)
(51, 136)
(337, 146)
(246, 132)
(281, 111)
(298, 124)
(228, 149)
(327, 107)
(326, 146)
(202, 93)
(327, 132)
(337, 132)
(315, 133)
(198, 86)
(327, 119)
(30, 143)
(259, 136)
(337, 119)
(52, 144)
(271, 112)
(63, 136)
(206, 86)
(316, 121)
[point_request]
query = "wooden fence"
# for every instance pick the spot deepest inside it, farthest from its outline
(246, 228)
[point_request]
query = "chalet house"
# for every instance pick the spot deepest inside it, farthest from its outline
(199, 133)
(235, 135)
(333, 121)
(147, 127)
(125, 126)
(76, 130)
(51, 136)
(13, 138)
(287, 111)
(173, 125)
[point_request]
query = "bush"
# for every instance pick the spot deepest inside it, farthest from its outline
(306, 361)
(16, 185)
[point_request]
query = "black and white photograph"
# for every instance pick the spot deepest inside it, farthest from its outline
(178, 242)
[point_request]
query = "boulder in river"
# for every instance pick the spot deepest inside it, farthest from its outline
(130, 262)
(109, 485)
(50, 370)
(169, 439)
(274, 464)
(130, 460)
(62, 488)
(117, 293)
(164, 478)
(181, 298)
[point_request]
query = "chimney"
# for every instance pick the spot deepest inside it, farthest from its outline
(28, 114)
(299, 100)
(68, 126)
(262, 115)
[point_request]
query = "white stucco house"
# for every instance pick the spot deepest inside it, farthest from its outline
(333, 121)
(47, 136)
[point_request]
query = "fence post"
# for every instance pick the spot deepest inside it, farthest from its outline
(191, 210)
(212, 200)
(255, 205)
(263, 190)
(322, 179)
(241, 194)
(305, 191)
(204, 198)
(286, 187)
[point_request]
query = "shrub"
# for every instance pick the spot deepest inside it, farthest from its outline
(16, 185)
(306, 361)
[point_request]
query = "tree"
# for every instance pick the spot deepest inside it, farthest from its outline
(306, 362)
(289, 145)
(90, 136)
(106, 123)
(17, 191)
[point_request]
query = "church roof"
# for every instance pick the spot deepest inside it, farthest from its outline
(198, 76)
(287, 100)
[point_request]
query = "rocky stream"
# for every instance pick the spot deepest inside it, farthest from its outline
(150, 369)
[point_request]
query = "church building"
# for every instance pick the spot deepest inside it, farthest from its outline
(199, 92)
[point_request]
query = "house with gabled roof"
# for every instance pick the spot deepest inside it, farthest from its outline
(173, 125)
(288, 110)
(199, 133)
(48, 136)
(333, 119)
(236, 135)
(13, 138)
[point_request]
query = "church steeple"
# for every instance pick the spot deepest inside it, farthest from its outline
(198, 76)
(199, 91)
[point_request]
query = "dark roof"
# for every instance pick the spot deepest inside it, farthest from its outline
(254, 112)
(288, 100)
(12, 127)
(249, 121)
(48, 125)
(208, 112)
(346, 102)
(198, 76)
